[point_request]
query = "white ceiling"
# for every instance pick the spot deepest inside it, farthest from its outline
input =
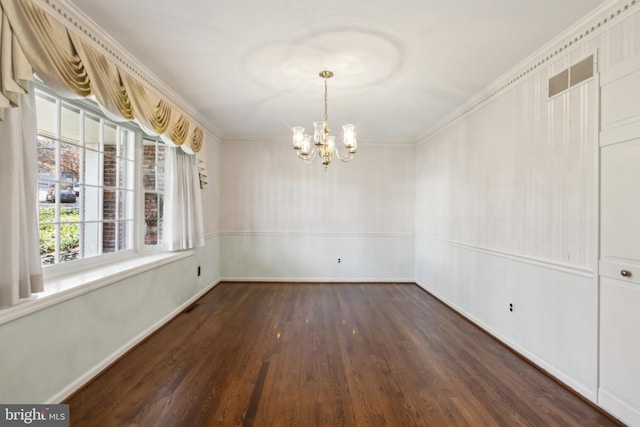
(250, 67)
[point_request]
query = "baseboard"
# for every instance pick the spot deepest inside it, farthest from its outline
(318, 279)
(617, 405)
(96, 370)
(549, 370)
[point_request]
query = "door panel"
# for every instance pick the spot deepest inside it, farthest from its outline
(619, 266)
(620, 201)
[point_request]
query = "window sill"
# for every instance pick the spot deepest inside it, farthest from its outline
(66, 287)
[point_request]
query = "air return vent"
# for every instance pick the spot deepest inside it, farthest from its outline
(559, 83)
(577, 73)
(581, 71)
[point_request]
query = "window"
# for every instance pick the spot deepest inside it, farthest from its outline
(153, 184)
(87, 182)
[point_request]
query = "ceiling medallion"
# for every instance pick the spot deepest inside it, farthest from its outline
(324, 145)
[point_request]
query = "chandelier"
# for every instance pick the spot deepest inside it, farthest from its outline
(324, 144)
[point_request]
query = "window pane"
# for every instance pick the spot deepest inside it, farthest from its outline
(117, 235)
(109, 204)
(125, 234)
(149, 165)
(46, 162)
(160, 150)
(153, 218)
(47, 157)
(125, 203)
(153, 165)
(69, 162)
(126, 144)
(90, 198)
(92, 241)
(92, 167)
(46, 115)
(110, 134)
(70, 124)
(108, 237)
(47, 234)
(110, 167)
(126, 174)
(69, 233)
(46, 192)
(92, 132)
(153, 182)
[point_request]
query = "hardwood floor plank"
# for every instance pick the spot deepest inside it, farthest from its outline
(253, 354)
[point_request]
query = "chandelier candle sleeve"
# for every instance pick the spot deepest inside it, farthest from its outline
(306, 145)
(324, 144)
(318, 133)
(350, 137)
(298, 137)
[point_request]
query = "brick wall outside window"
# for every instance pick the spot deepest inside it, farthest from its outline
(109, 200)
(153, 183)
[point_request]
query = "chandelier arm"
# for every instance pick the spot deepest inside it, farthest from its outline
(347, 157)
(309, 158)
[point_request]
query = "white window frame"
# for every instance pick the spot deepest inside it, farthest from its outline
(141, 238)
(58, 271)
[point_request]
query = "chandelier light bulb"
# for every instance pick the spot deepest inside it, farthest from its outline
(323, 144)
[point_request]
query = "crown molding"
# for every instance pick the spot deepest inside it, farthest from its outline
(569, 40)
(254, 139)
(77, 21)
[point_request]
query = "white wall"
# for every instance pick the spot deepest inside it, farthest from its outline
(71, 342)
(507, 204)
(210, 155)
(284, 220)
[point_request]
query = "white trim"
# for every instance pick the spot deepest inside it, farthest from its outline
(596, 225)
(287, 140)
(626, 411)
(71, 286)
(312, 234)
(580, 388)
(552, 265)
(319, 279)
(95, 370)
(212, 235)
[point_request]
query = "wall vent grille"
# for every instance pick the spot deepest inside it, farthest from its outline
(576, 74)
(559, 83)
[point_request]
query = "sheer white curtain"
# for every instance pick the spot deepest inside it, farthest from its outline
(20, 268)
(183, 226)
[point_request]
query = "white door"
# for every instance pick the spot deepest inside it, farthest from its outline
(619, 385)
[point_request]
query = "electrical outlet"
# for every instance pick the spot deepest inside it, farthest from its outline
(511, 307)
(339, 260)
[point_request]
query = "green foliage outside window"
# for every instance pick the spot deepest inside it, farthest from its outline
(69, 232)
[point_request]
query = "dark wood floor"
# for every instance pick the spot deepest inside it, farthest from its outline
(324, 355)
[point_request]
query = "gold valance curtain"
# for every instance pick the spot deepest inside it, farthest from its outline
(32, 41)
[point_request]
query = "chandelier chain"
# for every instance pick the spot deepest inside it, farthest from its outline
(326, 114)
